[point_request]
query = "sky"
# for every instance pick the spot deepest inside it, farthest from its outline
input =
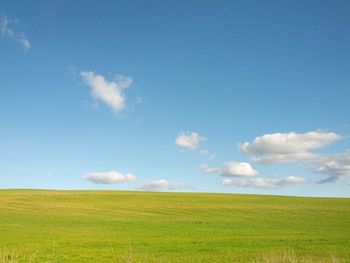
(195, 96)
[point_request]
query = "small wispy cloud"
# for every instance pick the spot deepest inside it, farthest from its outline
(192, 141)
(189, 140)
(8, 30)
(112, 177)
(161, 185)
(25, 42)
(109, 92)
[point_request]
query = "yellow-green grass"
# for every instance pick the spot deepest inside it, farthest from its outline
(123, 226)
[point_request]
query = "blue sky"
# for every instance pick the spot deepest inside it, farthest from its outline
(197, 80)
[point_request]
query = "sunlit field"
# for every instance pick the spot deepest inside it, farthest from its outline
(121, 226)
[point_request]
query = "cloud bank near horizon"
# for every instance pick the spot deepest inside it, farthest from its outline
(112, 177)
(264, 182)
(285, 148)
(161, 185)
(300, 149)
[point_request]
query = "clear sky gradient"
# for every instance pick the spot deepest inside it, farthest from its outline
(225, 71)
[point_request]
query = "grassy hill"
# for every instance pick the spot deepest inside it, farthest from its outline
(120, 226)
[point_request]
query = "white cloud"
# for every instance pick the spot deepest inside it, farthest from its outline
(25, 42)
(189, 141)
(288, 147)
(335, 166)
(284, 158)
(5, 27)
(235, 181)
(111, 93)
(7, 30)
(264, 182)
(299, 148)
(238, 169)
(161, 184)
(112, 177)
(231, 168)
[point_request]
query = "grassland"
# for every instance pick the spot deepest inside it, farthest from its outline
(120, 226)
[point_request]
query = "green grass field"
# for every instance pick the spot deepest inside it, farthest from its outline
(121, 226)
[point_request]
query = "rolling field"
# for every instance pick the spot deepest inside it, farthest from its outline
(122, 226)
